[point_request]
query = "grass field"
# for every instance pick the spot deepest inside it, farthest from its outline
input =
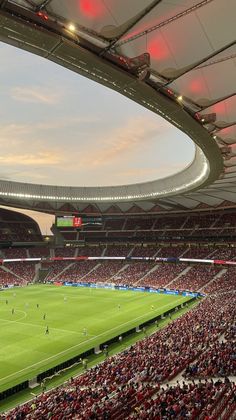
(25, 348)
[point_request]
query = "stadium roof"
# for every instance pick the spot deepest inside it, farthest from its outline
(176, 58)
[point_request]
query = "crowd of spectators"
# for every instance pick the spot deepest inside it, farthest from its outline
(165, 222)
(148, 273)
(218, 360)
(70, 236)
(163, 227)
(203, 221)
(162, 275)
(198, 252)
(118, 251)
(225, 282)
(145, 251)
(77, 270)
(105, 272)
(139, 223)
(134, 272)
(224, 253)
(56, 268)
(188, 401)
(7, 277)
(39, 252)
(15, 253)
(64, 252)
(171, 251)
(196, 278)
(24, 270)
(114, 224)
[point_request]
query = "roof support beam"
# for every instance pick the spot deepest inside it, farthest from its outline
(203, 60)
(137, 19)
(164, 23)
(43, 4)
(31, 3)
(225, 98)
(226, 126)
(220, 60)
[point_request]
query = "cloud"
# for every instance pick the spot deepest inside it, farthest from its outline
(35, 94)
(41, 158)
(20, 130)
(65, 122)
(13, 129)
(34, 175)
(160, 171)
(121, 142)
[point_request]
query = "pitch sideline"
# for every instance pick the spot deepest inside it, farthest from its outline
(78, 345)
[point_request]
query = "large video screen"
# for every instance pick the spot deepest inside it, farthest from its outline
(69, 221)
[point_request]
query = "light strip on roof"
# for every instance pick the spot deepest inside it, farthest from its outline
(175, 190)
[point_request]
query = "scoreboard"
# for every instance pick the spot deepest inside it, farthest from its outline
(77, 221)
(69, 221)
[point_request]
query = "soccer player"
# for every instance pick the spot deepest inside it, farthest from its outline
(106, 350)
(85, 364)
(85, 332)
(12, 311)
(47, 330)
(37, 305)
(6, 302)
(44, 317)
(119, 307)
(152, 308)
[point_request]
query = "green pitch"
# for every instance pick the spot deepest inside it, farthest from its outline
(77, 318)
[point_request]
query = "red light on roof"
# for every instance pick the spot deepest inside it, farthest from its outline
(158, 49)
(170, 92)
(198, 116)
(42, 15)
(91, 8)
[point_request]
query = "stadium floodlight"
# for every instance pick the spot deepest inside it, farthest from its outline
(71, 27)
(208, 118)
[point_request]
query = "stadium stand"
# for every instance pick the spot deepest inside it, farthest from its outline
(162, 275)
(17, 227)
(23, 270)
(218, 227)
(8, 278)
(76, 271)
(192, 376)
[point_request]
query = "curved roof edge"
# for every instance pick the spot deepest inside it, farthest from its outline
(53, 44)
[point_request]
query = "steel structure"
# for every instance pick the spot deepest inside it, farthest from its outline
(175, 58)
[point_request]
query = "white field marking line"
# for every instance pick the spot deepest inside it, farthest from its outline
(78, 345)
(105, 298)
(6, 321)
(42, 326)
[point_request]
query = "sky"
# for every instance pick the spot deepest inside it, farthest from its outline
(59, 128)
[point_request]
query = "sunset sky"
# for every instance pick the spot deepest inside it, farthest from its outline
(59, 128)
